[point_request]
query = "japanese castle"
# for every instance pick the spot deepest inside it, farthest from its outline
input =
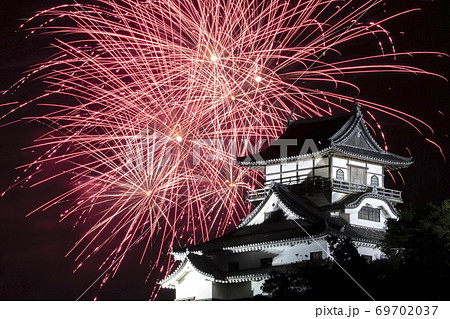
(335, 187)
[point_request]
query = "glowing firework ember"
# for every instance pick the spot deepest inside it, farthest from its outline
(161, 95)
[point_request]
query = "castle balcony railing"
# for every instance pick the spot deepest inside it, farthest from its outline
(347, 187)
(311, 184)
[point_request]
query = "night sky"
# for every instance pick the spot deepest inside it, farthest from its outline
(32, 250)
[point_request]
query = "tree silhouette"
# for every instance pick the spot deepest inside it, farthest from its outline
(416, 265)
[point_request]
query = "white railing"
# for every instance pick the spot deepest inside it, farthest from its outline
(334, 184)
(256, 194)
(390, 193)
(348, 187)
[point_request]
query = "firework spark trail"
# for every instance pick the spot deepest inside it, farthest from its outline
(153, 85)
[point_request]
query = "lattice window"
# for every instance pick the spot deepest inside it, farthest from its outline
(358, 175)
(369, 213)
(316, 255)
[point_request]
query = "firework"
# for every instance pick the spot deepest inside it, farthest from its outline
(160, 96)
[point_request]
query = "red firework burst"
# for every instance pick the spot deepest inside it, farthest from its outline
(163, 96)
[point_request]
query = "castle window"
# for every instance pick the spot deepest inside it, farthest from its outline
(358, 175)
(266, 262)
(340, 174)
(369, 213)
(234, 266)
(316, 255)
(374, 181)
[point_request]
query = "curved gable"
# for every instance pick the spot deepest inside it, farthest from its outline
(271, 204)
(377, 204)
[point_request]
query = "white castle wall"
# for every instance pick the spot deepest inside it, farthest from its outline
(194, 285)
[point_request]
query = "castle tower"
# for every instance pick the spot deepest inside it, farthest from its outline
(323, 177)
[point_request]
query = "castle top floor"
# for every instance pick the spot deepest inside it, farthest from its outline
(342, 136)
(338, 149)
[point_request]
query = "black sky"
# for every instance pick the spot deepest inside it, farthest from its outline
(32, 250)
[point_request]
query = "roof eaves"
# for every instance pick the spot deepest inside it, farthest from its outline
(204, 273)
(284, 159)
(272, 243)
(361, 238)
(248, 277)
(405, 163)
(164, 281)
(286, 208)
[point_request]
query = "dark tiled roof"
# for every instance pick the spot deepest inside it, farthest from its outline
(257, 208)
(202, 264)
(320, 130)
(301, 209)
(345, 134)
(384, 157)
(261, 233)
(300, 205)
(205, 266)
(316, 223)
